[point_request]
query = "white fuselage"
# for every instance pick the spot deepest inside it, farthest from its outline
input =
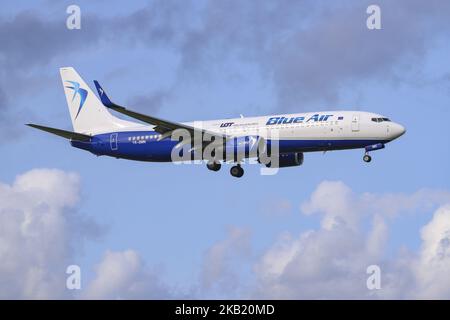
(340, 125)
(323, 125)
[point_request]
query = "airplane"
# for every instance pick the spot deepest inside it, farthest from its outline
(98, 131)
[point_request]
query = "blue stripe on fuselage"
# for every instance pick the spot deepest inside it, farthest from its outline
(322, 145)
(150, 149)
(143, 146)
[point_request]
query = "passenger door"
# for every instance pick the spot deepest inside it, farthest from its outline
(113, 141)
(355, 123)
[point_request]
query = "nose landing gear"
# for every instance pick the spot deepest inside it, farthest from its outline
(373, 147)
(367, 158)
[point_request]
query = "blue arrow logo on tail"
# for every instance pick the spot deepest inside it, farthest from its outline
(77, 90)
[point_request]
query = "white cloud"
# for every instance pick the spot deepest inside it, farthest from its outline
(124, 275)
(41, 230)
(37, 214)
(340, 205)
(40, 235)
(433, 264)
(317, 264)
(377, 238)
(336, 201)
(331, 262)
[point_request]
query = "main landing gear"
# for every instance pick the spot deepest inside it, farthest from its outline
(237, 171)
(213, 166)
(367, 158)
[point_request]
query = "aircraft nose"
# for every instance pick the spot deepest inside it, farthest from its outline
(397, 130)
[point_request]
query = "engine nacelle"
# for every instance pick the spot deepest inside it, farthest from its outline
(287, 160)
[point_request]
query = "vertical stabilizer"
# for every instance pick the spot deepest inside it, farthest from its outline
(87, 113)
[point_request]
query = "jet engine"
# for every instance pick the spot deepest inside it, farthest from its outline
(291, 159)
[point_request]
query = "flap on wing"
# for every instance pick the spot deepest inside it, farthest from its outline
(62, 133)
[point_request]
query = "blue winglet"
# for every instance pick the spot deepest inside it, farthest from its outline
(102, 94)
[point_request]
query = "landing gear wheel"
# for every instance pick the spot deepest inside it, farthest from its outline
(367, 158)
(213, 166)
(237, 171)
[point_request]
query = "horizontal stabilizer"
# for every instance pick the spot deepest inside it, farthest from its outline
(62, 133)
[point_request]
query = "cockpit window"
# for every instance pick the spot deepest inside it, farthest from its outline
(386, 119)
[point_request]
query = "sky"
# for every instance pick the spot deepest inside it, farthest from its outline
(163, 231)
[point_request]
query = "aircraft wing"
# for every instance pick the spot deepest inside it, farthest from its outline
(162, 126)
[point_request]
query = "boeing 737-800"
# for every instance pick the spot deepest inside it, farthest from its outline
(96, 130)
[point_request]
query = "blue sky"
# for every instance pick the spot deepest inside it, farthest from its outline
(207, 60)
